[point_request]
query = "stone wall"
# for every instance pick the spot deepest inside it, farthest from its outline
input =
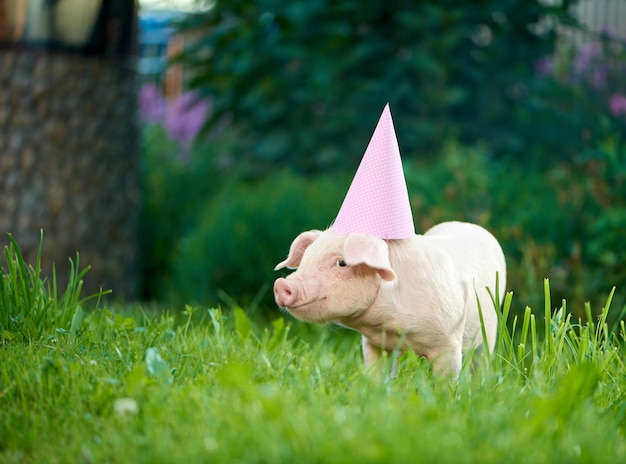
(68, 164)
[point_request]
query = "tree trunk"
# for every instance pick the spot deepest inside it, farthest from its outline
(69, 161)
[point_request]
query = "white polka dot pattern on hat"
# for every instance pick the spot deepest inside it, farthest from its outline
(377, 202)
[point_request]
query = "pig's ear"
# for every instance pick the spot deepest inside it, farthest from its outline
(371, 251)
(297, 249)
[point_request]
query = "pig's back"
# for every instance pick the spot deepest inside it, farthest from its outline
(476, 252)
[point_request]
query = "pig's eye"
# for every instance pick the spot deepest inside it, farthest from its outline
(341, 263)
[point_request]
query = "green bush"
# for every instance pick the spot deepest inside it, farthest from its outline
(606, 179)
(174, 186)
(244, 231)
(305, 81)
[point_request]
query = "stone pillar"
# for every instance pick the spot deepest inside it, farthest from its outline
(68, 164)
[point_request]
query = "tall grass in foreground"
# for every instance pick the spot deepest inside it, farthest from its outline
(208, 385)
(562, 343)
(29, 305)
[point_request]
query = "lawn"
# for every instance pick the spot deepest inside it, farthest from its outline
(214, 385)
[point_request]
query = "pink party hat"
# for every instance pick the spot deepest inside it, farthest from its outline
(377, 202)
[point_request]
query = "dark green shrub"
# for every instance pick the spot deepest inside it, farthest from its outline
(244, 231)
(174, 186)
(606, 250)
(305, 80)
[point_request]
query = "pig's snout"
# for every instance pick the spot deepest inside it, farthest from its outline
(285, 293)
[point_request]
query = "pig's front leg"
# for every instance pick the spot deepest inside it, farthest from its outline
(371, 356)
(446, 361)
(371, 353)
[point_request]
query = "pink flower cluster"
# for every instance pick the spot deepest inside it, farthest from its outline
(617, 104)
(182, 118)
(185, 117)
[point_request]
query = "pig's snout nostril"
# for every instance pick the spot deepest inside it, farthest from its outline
(284, 293)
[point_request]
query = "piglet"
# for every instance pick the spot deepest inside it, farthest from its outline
(417, 294)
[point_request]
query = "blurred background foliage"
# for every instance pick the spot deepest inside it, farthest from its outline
(499, 120)
(301, 79)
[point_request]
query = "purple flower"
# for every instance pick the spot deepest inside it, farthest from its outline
(590, 66)
(586, 57)
(597, 77)
(151, 104)
(617, 104)
(544, 66)
(185, 117)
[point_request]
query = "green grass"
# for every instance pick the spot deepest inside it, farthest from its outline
(208, 385)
